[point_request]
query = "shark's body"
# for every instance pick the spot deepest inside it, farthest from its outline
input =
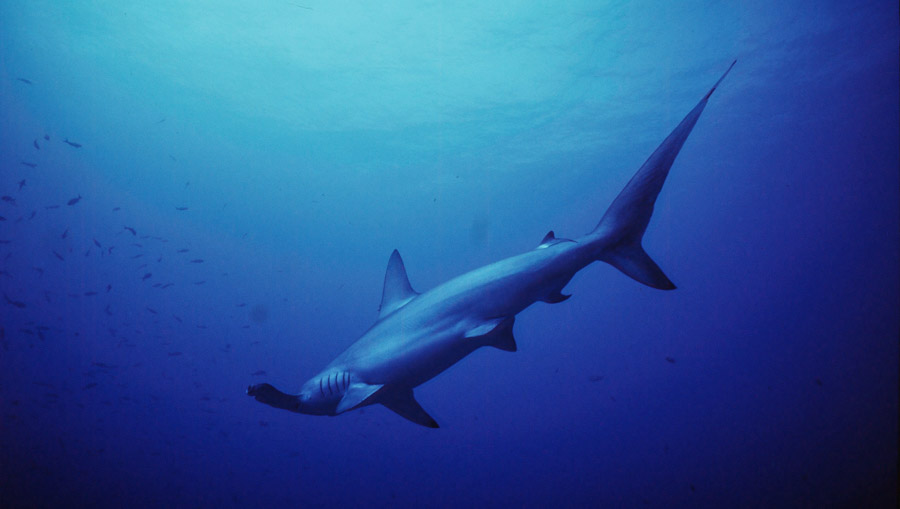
(418, 336)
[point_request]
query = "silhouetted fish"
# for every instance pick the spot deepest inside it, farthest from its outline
(103, 365)
(21, 184)
(89, 386)
(116, 209)
(670, 360)
(2, 218)
(97, 243)
(199, 282)
(108, 288)
(71, 143)
(258, 373)
(46, 137)
(181, 208)
(146, 276)
(131, 230)
(198, 260)
(178, 318)
(30, 165)
(58, 255)
(174, 354)
(8, 199)
(64, 234)
(38, 270)
(183, 250)
(17, 303)
(152, 311)
(108, 312)
(25, 81)
(48, 207)
(31, 216)
(36, 144)
(75, 200)
(90, 294)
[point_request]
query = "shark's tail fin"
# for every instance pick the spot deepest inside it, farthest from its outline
(622, 226)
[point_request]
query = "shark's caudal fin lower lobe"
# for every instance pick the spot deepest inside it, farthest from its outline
(625, 221)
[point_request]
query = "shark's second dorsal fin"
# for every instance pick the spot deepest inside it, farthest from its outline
(397, 290)
(551, 240)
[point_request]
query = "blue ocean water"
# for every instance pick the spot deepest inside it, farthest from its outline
(203, 196)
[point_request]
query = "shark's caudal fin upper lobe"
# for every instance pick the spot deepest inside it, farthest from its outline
(624, 223)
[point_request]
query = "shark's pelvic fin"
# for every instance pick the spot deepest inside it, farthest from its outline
(397, 290)
(404, 404)
(356, 395)
(626, 219)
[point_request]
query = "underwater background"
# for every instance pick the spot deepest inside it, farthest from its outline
(200, 196)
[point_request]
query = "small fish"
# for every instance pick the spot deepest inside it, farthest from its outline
(48, 207)
(64, 234)
(198, 283)
(57, 255)
(156, 285)
(103, 365)
(36, 144)
(75, 200)
(30, 165)
(5, 273)
(131, 230)
(2, 218)
(25, 81)
(178, 318)
(39, 270)
(146, 276)
(21, 184)
(90, 294)
(152, 311)
(97, 243)
(71, 143)
(819, 382)
(116, 209)
(174, 354)
(167, 285)
(109, 249)
(106, 309)
(17, 303)
(108, 288)
(46, 137)
(161, 120)
(197, 260)
(31, 216)
(8, 199)
(137, 256)
(173, 158)
(183, 250)
(89, 386)
(258, 373)
(135, 244)
(242, 304)
(181, 208)
(670, 360)
(159, 259)
(595, 378)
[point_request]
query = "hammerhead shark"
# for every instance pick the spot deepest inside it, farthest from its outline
(418, 336)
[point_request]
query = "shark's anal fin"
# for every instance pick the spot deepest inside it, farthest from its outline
(356, 395)
(496, 333)
(403, 403)
(397, 290)
(555, 297)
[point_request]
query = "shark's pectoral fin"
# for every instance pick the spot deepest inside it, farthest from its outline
(496, 333)
(356, 395)
(403, 403)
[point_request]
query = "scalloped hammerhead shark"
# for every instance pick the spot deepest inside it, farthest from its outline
(418, 336)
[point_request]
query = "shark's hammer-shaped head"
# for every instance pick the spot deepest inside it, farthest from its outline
(304, 403)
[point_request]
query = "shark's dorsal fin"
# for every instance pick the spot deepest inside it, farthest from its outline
(397, 290)
(357, 394)
(404, 404)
